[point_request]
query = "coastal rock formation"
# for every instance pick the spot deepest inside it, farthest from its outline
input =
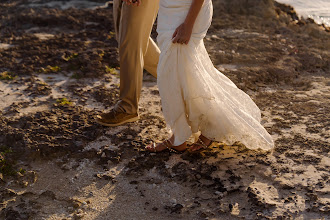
(59, 69)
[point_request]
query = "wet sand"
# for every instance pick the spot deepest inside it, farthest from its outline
(59, 69)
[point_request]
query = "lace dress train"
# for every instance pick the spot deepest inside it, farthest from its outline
(195, 95)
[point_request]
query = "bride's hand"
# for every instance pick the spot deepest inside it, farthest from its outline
(132, 2)
(182, 34)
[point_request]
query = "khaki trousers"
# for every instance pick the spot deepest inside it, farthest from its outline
(137, 51)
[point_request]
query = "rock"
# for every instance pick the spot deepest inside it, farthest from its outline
(10, 213)
(261, 196)
(173, 201)
(177, 208)
(234, 209)
(6, 193)
(217, 193)
(48, 194)
(105, 176)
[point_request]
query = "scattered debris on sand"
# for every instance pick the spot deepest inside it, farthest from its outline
(59, 69)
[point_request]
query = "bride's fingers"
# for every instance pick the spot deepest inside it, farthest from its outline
(180, 41)
(176, 39)
(183, 41)
(175, 33)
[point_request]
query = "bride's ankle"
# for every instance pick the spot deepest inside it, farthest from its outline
(171, 139)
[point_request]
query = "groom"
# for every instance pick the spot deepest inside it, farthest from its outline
(137, 51)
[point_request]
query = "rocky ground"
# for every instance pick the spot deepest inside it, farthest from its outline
(59, 69)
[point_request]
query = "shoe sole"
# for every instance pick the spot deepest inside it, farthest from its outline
(120, 123)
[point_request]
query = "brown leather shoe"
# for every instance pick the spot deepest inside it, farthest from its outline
(115, 118)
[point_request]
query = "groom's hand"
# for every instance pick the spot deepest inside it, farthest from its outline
(133, 2)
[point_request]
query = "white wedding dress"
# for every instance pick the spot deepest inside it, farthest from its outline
(195, 95)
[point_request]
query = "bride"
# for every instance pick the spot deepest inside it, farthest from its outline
(195, 96)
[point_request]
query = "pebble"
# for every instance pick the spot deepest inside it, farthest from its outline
(173, 201)
(217, 193)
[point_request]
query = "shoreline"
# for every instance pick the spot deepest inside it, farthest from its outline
(306, 12)
(303, 18)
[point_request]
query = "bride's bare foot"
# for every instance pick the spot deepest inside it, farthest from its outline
(202, 143)
(167, 144)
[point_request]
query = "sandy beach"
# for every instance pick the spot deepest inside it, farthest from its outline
(59, 68)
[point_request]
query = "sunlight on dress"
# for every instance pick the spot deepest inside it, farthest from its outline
(195, 95)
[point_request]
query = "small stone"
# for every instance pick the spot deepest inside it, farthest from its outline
(79, 215)
(217, 193)
(175, 208)
(215, 37)
(173, 201)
